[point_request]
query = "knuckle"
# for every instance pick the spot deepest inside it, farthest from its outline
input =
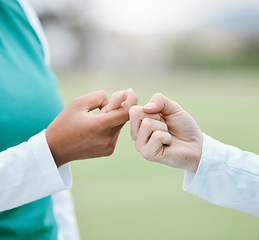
(164, 126)
(159, 95)
(147, 123)
(115, 94)
(134, 111)
(133, 101)
(157, 136)
(102, 93)
(99, 94)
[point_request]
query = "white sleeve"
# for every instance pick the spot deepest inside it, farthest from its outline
(63, 208)
(28, 172)
(226, 176)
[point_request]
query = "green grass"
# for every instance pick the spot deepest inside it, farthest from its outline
(124, 197)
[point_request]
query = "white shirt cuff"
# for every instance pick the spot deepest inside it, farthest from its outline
(226, 176)
(189, 177)
(55, 179)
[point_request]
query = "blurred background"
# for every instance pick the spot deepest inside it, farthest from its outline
(204, 54)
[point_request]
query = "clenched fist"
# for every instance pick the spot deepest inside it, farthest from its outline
(78, 133)
(165, 133)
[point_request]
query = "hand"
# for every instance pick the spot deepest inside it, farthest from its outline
(78, 133)
(165, 133)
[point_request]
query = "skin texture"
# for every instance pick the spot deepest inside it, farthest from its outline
(78, 133)
(163, 132)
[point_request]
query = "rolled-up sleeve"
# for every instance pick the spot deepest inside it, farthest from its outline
(226, 176)
(28, 172)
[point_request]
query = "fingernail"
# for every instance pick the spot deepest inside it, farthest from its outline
(150, 105)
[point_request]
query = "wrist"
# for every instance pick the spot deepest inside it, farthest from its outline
(195, 157)
(53, 148)
(199, 153)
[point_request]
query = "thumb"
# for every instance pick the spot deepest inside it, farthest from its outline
(161, 104)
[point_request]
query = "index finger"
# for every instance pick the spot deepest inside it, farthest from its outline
(91, 101)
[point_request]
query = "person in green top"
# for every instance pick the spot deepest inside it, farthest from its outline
(33, 161)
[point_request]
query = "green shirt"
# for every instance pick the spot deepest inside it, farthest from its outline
(29, 101)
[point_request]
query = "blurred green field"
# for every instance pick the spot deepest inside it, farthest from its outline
(124, 197)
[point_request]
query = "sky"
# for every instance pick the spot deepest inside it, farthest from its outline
(148, 16)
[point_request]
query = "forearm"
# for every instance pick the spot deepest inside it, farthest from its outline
(28, 172)
(226, 176)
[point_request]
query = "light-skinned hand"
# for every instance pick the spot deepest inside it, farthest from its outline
(78, 133)
(163, 132)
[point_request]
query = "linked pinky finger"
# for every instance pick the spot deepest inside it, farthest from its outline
(115, 102)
